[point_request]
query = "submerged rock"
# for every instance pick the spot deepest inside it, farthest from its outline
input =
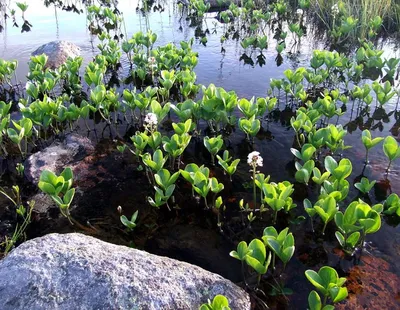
(57, 156)
(58, 52)
(74, 271)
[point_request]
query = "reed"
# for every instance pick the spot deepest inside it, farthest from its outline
(362, 10)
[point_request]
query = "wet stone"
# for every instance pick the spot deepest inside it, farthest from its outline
(57, 156)
(74, 271)
(58, 52)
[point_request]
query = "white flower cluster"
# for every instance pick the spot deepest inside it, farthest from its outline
(335, 9)
(254, 158)
(152, 62)
(151, 119)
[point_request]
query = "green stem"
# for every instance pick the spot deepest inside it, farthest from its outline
(390, 162)
(205, 201)
(259, 279)
(325, 299)
(254, 187)
(323, 230)
(243, 273)
(273, 261)
(298, 139)
(169, 209)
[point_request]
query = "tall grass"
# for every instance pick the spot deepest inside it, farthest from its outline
(362, 10)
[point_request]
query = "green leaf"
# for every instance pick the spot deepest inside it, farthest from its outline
(257, 249)
(338, 294)
(69, 195)
(330, 164)
(47, 188)
(220, 302)
(353, 239)
(315, 280)
(391, 148)
(314, 301)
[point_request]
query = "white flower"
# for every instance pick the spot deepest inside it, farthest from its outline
(254, 158)
(299, 12)
(152, 62)
(151, 119)
(335, 9)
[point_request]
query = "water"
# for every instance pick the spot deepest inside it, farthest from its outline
(129, 187)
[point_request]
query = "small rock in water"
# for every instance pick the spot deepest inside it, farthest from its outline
(57, 156)
(74, 271)
(58, 52)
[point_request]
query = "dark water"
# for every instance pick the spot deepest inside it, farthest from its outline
(374, 283)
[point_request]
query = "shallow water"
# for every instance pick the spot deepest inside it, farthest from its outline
(227, 71)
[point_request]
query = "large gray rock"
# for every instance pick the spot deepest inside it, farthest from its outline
(58, 52)
(74, 271)
(57, 156)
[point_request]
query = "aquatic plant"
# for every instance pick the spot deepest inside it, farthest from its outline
(219, 302)
(328, 283)
(7, 70)
(254, 255)
(367, 17)
(59, 188)
(326, 208)
(130, 224)
(175, 146)
(218, 205)
(391, 149)
(166, 186)
(213, 145)
(364, 186)
(228, 164)
(22, 131)
(254, 160)
(392, 205)
(368, 142)
(277, 196)
(306, 152)
(356, 222)
(156, 161)
(250, 127)
(24, 212)
(281, 244)
(304, 172)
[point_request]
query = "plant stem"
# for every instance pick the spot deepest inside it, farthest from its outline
(323, 230)
(325, 299)
(205, 201)
(169, 209)
(254, 187)
(258, 279)
(273, 261)
(298, 139)
(388, 168)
